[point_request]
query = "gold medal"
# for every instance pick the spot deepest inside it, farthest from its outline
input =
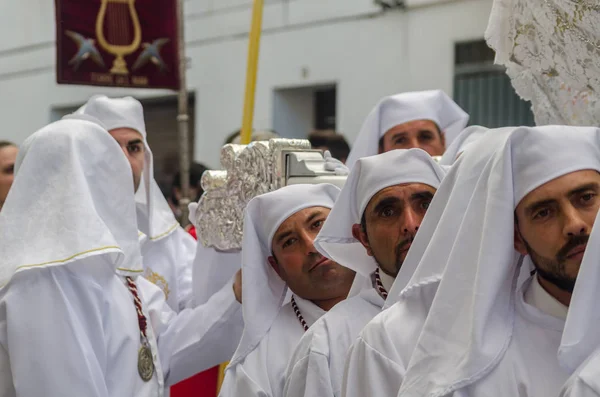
(145, 363)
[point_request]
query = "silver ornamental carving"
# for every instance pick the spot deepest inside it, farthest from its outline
(249, 171)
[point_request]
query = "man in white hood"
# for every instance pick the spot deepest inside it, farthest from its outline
(380, 351)
(170, 255)
(75, 317)
(168, 251)
(277, 253)
(497, 319)
(370, 230)
(428, 120)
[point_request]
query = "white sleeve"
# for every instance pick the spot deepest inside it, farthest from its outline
(578, 388)
(309, 377)
(370, 373)
(585, 382)
(195, 339)
(54, 333)
(212, 270)
(186, 254)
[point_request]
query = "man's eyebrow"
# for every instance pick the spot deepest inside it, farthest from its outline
(134, 142)
(283, 236)
(578, 190)
(584, 188)
(425, 194)
(537, 205)
(386, 202)
(312, 217)
(398, 135)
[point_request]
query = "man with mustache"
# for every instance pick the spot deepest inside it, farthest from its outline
(277, 254)
(498, 323)
(370, 229)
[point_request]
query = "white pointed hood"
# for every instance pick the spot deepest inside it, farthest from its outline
(467, 137)
(155, 218)
(421, 266)
(71, 200)
(398, 109)
(580, 336)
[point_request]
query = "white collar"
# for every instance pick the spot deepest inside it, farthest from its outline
(538, 297)
(310, 312)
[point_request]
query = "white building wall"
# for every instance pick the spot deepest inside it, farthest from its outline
(350, 43)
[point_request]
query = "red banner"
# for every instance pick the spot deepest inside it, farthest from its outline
(117, 43)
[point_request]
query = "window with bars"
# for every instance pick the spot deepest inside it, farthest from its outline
(484, 90)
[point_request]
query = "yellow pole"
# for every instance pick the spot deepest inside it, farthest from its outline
(251, 75)
(222, 368)
(252, 71)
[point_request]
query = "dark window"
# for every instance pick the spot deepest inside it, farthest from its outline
(325, 107)
(484, 90)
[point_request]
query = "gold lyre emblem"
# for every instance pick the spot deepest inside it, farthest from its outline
(119, 17)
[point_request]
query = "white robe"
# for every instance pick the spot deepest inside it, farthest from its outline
(317, 365)
(376, 362)
(262, 372)
(73, 331)
(171, 263)
(529, 367)
(168, 264)
(585, 382)
(212, 270)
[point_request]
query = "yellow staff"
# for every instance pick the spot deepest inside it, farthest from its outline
(251, 74)
(252, 71)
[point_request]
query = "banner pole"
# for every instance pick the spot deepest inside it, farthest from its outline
(252, 71)
(183, 120)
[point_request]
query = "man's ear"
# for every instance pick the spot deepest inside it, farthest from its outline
(273, 262)
(519, 242)
(359, 234)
